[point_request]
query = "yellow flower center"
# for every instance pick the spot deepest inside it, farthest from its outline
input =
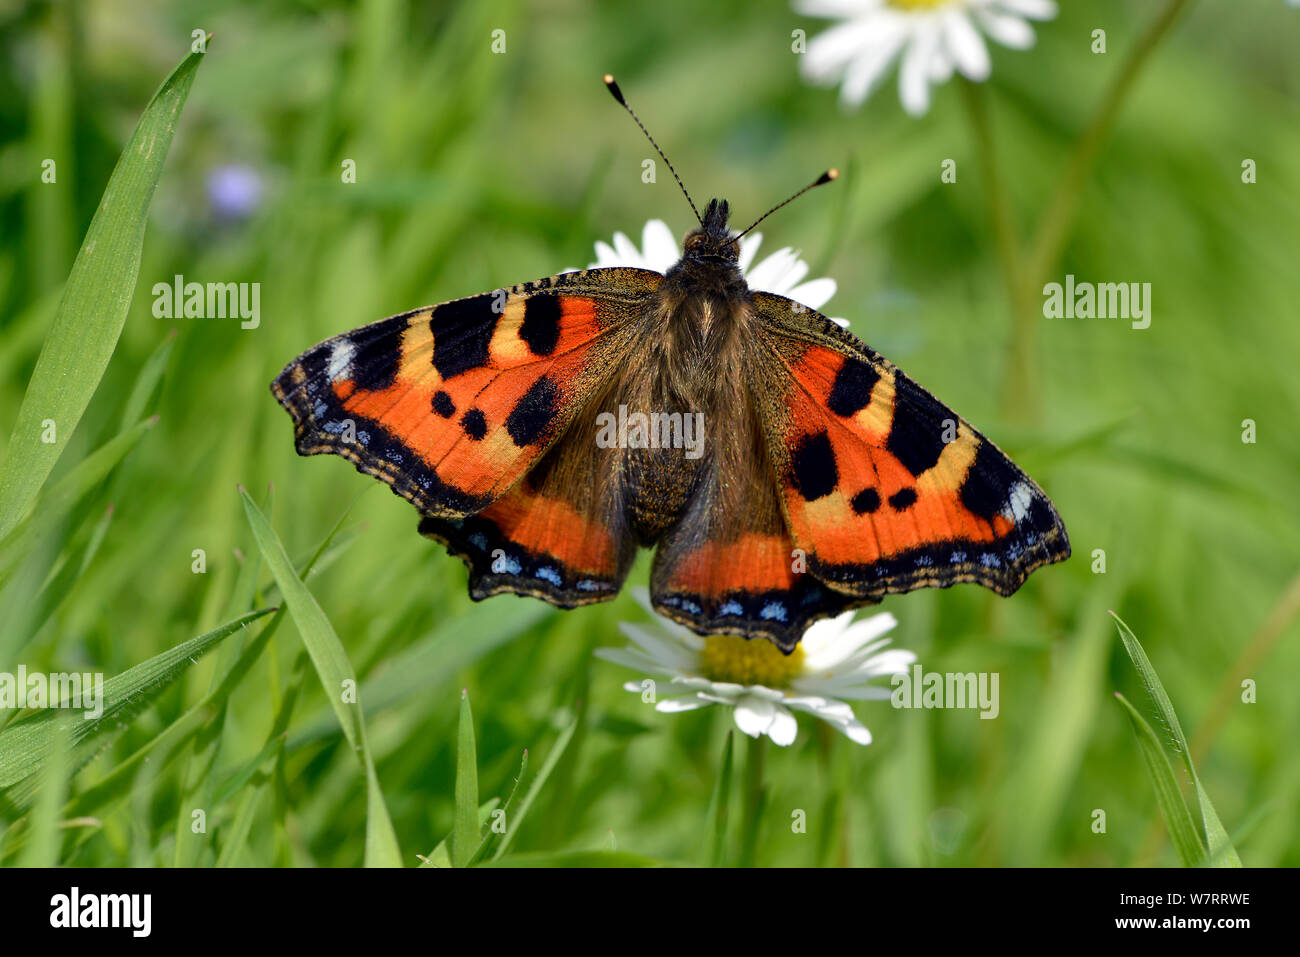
(918, 4)
(748, 661)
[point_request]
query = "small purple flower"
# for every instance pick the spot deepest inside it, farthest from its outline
(234, 191)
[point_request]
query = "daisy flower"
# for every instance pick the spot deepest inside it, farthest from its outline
(836, 660)
(931, 38)
(783, 272)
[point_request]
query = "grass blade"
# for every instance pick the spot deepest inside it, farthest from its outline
(552, 759)
(1222, 853)
(336, 675)
(1183, 832)
(93, 307)
(465, 834)
(24, 747)
(715, 831)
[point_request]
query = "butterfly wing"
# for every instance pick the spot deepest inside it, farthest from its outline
(451, 404)
(883, 487)
(729, 565)
(560, 534)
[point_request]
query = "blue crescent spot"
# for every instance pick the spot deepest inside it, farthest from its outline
(588, 584)
(990, 561)
(479, 541)
(731, 608)
(363, 438)
(958, 558)
(507, 566)
(924, 561)
(549, 574)
(319, 410)
(690, 606)
(773, 609)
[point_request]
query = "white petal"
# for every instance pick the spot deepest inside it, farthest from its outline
(1034, 9)
(754, 715)
(856, 732)
(783, 728)
(688, 702)
(634, 659)
(627, 252)
(814, 293)
(966, 46)
(748, 249)
(830, 647)
(1008, 30)
(659, 246)
(835, 8)
(663, 648)
(605, 256)
(873, 61)
(769, 274)
(830, 53)
(913, 78)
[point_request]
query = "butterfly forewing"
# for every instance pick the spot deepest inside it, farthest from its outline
(884, 487)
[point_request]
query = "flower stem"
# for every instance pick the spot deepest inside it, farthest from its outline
(1064, 206)
(1020, 395)
(755, 798)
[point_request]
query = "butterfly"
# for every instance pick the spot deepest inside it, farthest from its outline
(782, 470)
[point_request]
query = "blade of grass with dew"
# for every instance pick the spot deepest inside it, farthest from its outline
(24, 747)
(465, 833)
(336, 674)
(94, 304)
(440, 856)
(715, 831)
(1183, 831)
(552, 759)
(491, 837)
(1222, 853)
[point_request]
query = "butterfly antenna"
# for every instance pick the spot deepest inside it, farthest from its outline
(618, 95)
(825, 177)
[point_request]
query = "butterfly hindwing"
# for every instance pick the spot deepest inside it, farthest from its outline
(540, 538)
(451, 404)
(883, 487)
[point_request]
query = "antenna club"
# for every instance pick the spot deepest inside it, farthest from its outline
(829, 175)
(614, 91)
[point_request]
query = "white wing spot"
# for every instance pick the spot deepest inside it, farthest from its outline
(341, 355)
(1019, 499)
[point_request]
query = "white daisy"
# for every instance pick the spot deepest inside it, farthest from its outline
(930, 37)
(837, 659)
(782, 272)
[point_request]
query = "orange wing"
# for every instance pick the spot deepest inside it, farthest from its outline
(884, 487)
(560, 534)
(451, 404)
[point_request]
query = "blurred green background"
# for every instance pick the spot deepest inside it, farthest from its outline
(477, 170)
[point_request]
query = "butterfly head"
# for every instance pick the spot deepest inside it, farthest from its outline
(713, 242)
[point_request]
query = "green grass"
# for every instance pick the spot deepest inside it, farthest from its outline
(477, 170)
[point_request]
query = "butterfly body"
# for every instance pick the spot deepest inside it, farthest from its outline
(782, 470)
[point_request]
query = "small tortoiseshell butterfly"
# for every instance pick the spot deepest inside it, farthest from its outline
(827, 478)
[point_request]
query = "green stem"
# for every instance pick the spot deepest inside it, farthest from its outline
(1020, 395)
(1064, 206)
(755, 797)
